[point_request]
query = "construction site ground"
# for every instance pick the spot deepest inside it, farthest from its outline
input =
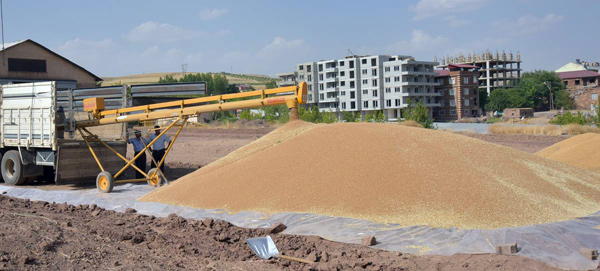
(47, 236)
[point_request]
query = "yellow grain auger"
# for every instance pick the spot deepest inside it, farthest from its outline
(180, 111)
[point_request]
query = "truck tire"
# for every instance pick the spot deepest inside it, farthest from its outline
(1, 179)
(12, 169)
(105, 182)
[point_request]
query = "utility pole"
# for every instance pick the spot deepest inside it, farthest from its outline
(2, 21)
(549, 85)
(183, 69)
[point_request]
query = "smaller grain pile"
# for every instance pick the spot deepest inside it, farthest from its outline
(582, 151)
(391, 174)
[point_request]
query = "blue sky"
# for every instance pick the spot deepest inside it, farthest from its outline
(116, 37)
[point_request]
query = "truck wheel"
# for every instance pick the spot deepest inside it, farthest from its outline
(156, 179)
(12, 169)
(105, 182)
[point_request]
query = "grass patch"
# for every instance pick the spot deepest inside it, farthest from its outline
(549, 130)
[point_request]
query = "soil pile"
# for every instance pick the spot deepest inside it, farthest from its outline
(50, 236)
(582, 151)
(391, 174)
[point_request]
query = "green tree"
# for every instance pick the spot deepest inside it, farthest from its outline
(418, 113)
(271, 84)
(350, 116)
(375, 116)
(167, 79)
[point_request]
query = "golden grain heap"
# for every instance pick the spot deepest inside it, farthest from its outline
(391, 174)
(582, 151)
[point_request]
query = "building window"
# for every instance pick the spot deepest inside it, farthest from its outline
(352, 84)
(416, 79)
(387, 80)
(442, 113)
(365, 91)
(396, 68)
(466, 102)
(364, 71)
(342, 73)
(344, 105)
(442, 103)
(322, 96)
(308, 68)
(397, 102)
(310, 96)
(452, 92)
(387, 69)
(595, 96)
(366, 104)
(374, 82)
(466, 80)
(352, 105)
(301, 67)
(397, 89)
(397, 79)
(452, 81)
(577, 82)
(452, 102)
(301, 78)
(341, 63)
(320, 86)
(466, 91)
(388, 103)
(416, 68)
(388, 90)
(320, 67)
(351, 64)
(365, 81)
(343, 83)
(374, 93)
(364, 61)
(374, 72)
(309, 78)
(373, 62)
(343, 93)
(474, 79)
(452, 112)
(351, 74)
(375, 104)
(352, 94)
(26, 65)
(592, 81)
(320, 77)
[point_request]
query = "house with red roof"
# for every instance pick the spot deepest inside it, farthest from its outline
(583, 87)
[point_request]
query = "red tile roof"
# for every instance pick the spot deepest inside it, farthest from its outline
(577, 74)
(466, 66)
(442, 73)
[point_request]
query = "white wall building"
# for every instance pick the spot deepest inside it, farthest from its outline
(366, 83)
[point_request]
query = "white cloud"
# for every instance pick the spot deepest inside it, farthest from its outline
(79, 44)
(429, 8)
(280, 45)
(210, 14)
(454, 21)
(160, 32)
(419, 42)
(528, 24)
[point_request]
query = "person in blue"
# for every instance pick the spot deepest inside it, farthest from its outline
(159, 147)
(139, 143)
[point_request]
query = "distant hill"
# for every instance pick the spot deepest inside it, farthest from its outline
(257, 81)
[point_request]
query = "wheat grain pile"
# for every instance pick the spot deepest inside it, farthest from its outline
(391, 174)
(582, 151)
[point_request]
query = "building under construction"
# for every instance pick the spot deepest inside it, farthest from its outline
(495, 70)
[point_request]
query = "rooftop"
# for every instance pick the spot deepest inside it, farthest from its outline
(577, 74)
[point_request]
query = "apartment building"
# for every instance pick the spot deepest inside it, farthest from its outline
(583, 86)
(495, 70)
(367, 83)
(287, 79)
(459, 89)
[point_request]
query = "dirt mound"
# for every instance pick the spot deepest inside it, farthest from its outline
(582, 151)
(390, 174)
(49, 236)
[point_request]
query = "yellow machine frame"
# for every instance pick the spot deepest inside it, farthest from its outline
(180, 111)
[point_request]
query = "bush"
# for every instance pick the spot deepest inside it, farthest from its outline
(418, 113)
(247, 115)
(375, 116)
(569, 118)
(315, 116)
(350, 117)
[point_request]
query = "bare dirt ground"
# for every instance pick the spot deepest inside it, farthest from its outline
(48, 236)
(528, 143)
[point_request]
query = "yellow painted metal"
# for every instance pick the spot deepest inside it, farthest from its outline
(103, 183)
(132, 180)
(162, 160)
(95, 138)
(91, 150)
(145, 148)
